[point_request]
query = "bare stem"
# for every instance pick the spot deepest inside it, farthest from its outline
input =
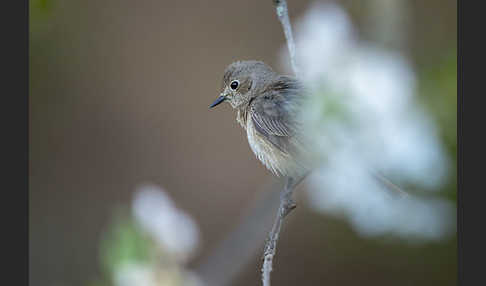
(283, 16)
(286, 206)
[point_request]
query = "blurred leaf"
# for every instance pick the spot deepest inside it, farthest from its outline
(124, 242)
(438, 92)
(39, 12)
(42, 5)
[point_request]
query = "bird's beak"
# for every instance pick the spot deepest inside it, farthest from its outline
(220, 99)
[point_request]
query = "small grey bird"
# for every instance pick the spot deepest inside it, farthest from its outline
(267, 104)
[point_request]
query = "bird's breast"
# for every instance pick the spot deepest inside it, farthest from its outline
(279, 163)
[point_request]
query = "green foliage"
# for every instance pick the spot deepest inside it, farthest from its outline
(438, 92)
(40, 10)
(332, 107)
(124, 242)
(438, 89)
(42, 5)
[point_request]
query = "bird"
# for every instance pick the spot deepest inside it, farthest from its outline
(267, 105)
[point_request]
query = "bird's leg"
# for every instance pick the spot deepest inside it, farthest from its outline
(286, 198)
(287, 204)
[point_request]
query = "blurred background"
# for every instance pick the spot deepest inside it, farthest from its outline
(133, 181)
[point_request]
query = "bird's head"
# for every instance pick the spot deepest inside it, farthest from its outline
(241, 82)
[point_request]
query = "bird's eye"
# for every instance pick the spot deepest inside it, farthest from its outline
(234, 84)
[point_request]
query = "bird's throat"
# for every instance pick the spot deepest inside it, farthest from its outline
(242, 116)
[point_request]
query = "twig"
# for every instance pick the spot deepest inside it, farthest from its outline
(390, 186)
(283, 16)
(286, 206)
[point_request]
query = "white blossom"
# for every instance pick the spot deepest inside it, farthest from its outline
(173, 229)
(376, 125)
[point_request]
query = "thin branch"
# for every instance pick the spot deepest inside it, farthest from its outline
(286, 206)
(283, 16)
(389, 185)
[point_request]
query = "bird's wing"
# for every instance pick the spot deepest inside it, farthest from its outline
(273, 112)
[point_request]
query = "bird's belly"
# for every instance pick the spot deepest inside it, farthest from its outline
(278, 162)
